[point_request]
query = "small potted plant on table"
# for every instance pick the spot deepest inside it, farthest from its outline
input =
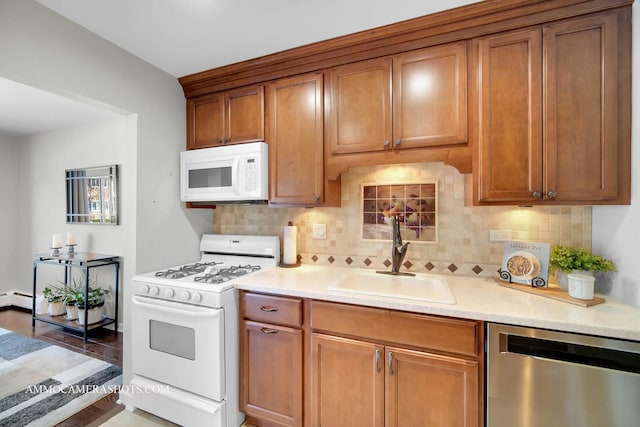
(564, 260)
(55, 297)
(94, 303)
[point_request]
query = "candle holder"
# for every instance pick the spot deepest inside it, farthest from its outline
(55, 251)
(71, 249)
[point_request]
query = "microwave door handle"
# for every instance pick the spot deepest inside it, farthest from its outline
(238, 181)
(163, 307)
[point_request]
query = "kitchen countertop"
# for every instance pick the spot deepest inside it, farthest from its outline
(476, 298)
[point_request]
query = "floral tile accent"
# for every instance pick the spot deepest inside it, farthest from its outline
(414, 205)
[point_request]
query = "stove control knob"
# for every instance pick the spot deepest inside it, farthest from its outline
(169, 293)
(185, 296)
(196, 297)
(144, 289)
(155, 290)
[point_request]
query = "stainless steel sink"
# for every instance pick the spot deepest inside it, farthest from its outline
(420, 287)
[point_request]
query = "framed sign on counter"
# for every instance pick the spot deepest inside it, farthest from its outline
(526, 263)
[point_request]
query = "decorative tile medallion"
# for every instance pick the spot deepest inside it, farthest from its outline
(415, 206)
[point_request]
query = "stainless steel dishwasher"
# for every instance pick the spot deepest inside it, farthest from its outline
(540, 378)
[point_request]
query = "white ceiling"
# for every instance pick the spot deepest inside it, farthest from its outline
(183, 37)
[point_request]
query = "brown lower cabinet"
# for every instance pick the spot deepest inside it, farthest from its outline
(271, 360)
(351, 365)
(359, 383)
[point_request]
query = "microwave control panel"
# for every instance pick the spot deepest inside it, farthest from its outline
(251, 174)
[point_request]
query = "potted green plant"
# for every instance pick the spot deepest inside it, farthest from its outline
(70, 298)
(94, 303)
(564, 260)
(55, 296)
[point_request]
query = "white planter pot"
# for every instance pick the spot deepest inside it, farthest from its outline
(56, 308)
(581, 286)
(95, 315)
(72, 312)
(563, 281)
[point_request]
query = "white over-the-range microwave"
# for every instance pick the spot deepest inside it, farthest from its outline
(231, 173)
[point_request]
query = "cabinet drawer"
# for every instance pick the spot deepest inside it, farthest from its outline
(417, 330)
(271, 309)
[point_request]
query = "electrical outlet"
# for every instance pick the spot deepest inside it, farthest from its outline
(320, 231)
(499, 235)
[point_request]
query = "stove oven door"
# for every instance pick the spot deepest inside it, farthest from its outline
(181, 345)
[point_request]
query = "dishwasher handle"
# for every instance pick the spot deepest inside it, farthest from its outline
(561, 351)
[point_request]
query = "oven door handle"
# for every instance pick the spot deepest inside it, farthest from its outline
(176, 308)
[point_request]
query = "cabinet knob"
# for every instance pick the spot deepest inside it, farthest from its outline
(537, 195)
(219, 141)
(551, 194)
(387, 143)
(225, 140)
(397, 142)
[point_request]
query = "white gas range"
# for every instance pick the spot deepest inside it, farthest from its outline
(185, 332)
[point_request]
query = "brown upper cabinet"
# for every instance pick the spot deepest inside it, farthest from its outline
(295, 137)
(531, 97)
(412, 100)
(552, 106)
(231, 117)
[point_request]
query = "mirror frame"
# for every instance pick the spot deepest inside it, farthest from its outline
(81, 208)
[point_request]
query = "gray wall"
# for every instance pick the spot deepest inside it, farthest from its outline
(10, 203)
(44, 50)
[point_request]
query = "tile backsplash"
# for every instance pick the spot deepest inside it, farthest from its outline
(462, 246)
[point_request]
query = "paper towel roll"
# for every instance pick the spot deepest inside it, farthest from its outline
(290, 255)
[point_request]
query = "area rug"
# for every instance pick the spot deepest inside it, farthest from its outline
(42, 384)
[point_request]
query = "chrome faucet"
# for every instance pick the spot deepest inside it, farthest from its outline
(398, 250)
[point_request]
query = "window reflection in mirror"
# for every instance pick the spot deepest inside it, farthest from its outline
(91, 195)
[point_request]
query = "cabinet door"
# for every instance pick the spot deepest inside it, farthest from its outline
(423, 389)
(347, 383)
(271, 373)
(509, 142)
(244, 118)
(359, 107)
(430, 96)
(295, 138)
(581, 128)
(205, 121)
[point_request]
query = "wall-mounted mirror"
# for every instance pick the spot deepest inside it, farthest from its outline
(91, 195)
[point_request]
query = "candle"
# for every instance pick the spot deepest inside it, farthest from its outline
(71, 238)
(56, 241)
(290, 255)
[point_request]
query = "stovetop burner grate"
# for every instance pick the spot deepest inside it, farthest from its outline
(222, 275)
(186, 270)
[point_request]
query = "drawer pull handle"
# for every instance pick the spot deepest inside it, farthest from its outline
(391, 363)
(378, 361)
(268, 309)
(268, 331)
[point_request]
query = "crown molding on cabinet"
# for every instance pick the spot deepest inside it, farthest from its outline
(477, 19)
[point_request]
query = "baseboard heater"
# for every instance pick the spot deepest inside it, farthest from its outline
(17, 299)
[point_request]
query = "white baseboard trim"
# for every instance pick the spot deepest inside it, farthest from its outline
(15, 298)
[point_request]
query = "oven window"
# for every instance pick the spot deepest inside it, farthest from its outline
(210, 178)
(172, 339)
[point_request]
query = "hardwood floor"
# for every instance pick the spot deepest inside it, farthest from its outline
(107, 347)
